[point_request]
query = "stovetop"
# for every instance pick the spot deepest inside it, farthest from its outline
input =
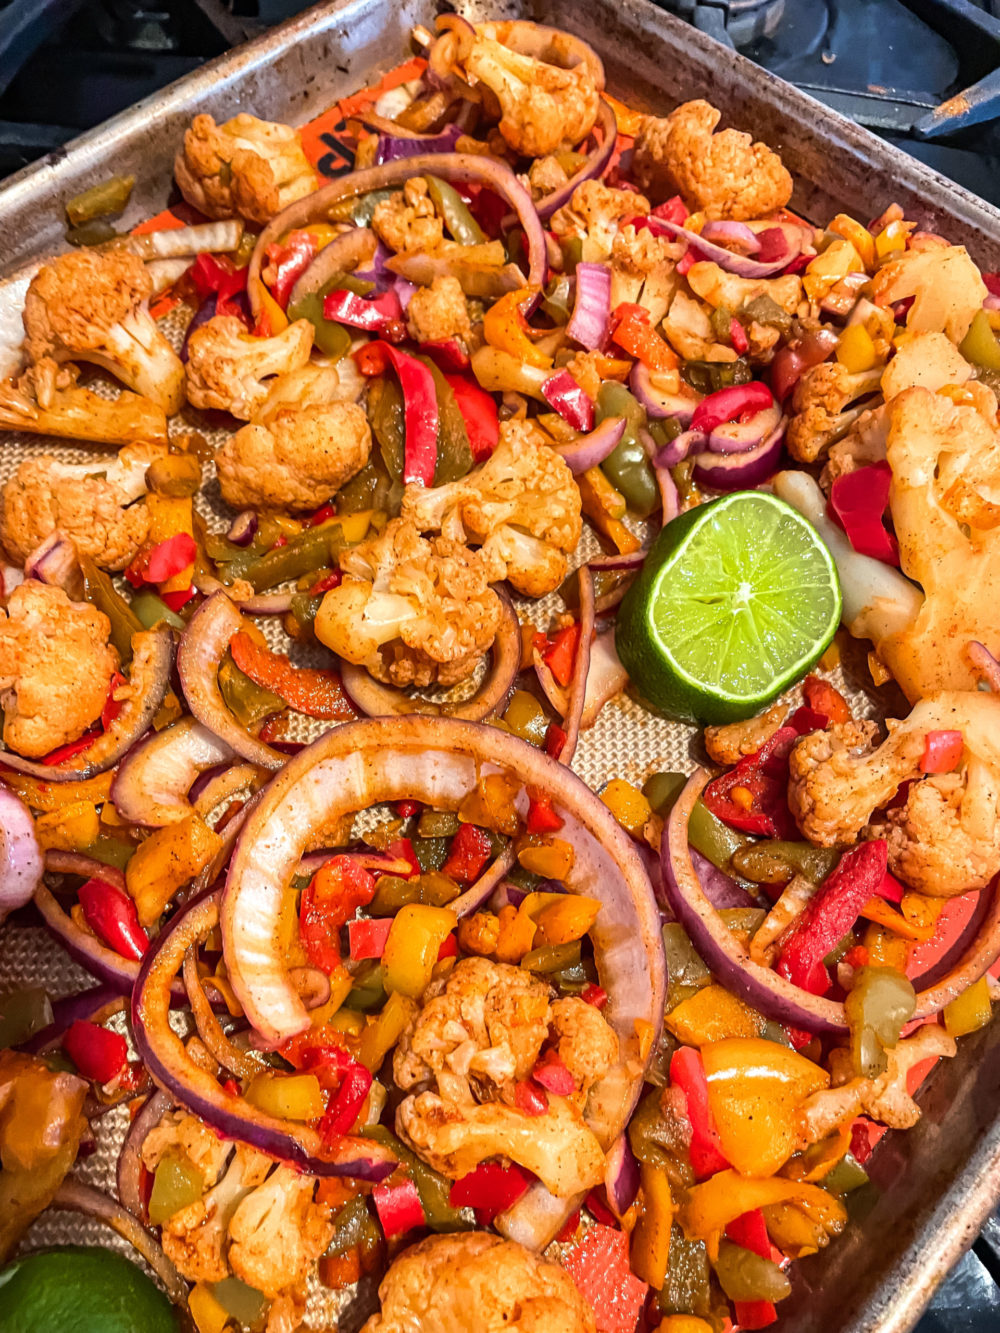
(924, 74)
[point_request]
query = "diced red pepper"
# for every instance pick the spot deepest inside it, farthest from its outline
(328, 581)
(380, 314)
(372, 359)
(231, 1088)
(322, 515)
(170, 557)
(566, 397)
(449, 947)
(542, 816)
(750, 1231)
(942, 751)
(688, 1073)
(992, 281)
(560, 654)
(280, 541)
(738, 337)
(807, 719)
(569, 1228)
(288, 261)
(71, 749)
(111, 914)
(857, 956)
(345, 1104)
(831, 914)
(98, 1053)
(420, 417)
(112, 706)
(857, 502)
(821, 695)
(752, 796)
(632, 331)
(401, 849)
(216, 274)
(368, 937)
(553, 1075)
(890, 889)
(178, 599)
(490, 1189)
(337, 890)
(399, 1208)
(479, 412)
(688, 260)
(470, 850)
(555, 740)
(599, 1210)
(672, 210)
(595, 995)
(407, 809)
(754, 1314)
(530, 1098)
(448, 355)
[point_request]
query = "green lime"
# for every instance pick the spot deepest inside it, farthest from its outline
(736, 600)
(73, 1289)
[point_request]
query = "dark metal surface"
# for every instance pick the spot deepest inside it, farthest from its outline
(934, 1186)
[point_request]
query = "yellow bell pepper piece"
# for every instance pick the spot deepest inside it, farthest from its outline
(649, 1249)
(712, 1014)
(355, 526)
(970, 1012)
(551, 860)
(168, 516)
(166, 861)
(860, 237)
(287, 1096)
(605, 507)
(40, 795)
(825, 271)
(271, 313)
(491, 803)
(886, 949)
(712, 1205)
(800, 1231)
(73, 828)
(382, 1032)
(627, 804)
(627, 120)
(891, 239)
(755, 1088)
(517, 934)
(856, 350)
(341, 983)
(884, 914)
(411, 949)
(347, 1021)
(567, 920)
(323, 232)
(208, 1315)
(684, 1323)
(504, 328)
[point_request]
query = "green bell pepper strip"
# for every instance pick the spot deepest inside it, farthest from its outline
(453, 211)
(386, 416)
(102, 593)
(314, 548)
(354, 1225)
(432, 1187)
(249, 702)
(331, 338)
(706, 834)
(627, 467)
(980, 344)
(454, 453)
(22, 1014)
(151, 611)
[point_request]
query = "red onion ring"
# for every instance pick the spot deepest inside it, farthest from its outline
(152, 658)
(605, 679)
(739, 236)
(474, 896)
(591, 450)
(199, 655)
(630, 560)
(740, 265)
(553, 691)
(592, 169)
(75, 863)
(577, 692)
(260, 604)
(588, 324)
(621, 1177)
(129, 1171)
(210, 790)
(172, 1068)
(738, 472)
(20, 856)
(658, 404)
(151, 785)
(209, 1028)
(741, 437)
(553, 46)
(342, 255)
(374, 699)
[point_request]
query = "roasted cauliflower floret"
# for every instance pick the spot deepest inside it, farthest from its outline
(439, 312)
(450, 1284)
(299, 460)
(828, 399)
(544, 108)
(245, 168)
(277, 1232)
(407, 220)
(730, 743)
(90, 503)
(522, 507)
(643, 270)
(927, 360)
(90, 305)
(46, 400)
(713, 284)
(594, 214)
(930, 847)
(412, 611)
(179, 1132)
(945, 283)
(196, 1237)
(724, 175)
(545, 176)
(55, 668)
(228, 369)
(585, 1043)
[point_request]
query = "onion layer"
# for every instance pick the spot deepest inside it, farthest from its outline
(20, 856)
(151, 786)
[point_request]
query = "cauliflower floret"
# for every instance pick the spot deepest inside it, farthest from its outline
(55, 668)
(181, 1132)
(46, 400)
(299, 460)
(585, 1043)
(945, 282)
(928, 360)
(407, 220)
(828, 400)
(544, 108)
(719, 288)
(688, 328)
(439, 312)
(195, 1238)
(245, 167)
(450, 1284)
(594, 214)
(863, 445)
(412, 611)
(278, 1231)
(228, 369)
(730, 743)
(90, 305)
(85, 502)
(930, 849)
(643, 270)
(522, 507)
(723, 175)
(545, 176)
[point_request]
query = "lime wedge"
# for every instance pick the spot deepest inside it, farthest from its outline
(737, 599)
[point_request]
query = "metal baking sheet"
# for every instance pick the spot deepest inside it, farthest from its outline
(932, 1187)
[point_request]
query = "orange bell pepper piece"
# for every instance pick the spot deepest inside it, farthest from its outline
(884, 914)
(710, 1015)
(632, 331)
(505, 328)
(712, 1205)
(307, 690)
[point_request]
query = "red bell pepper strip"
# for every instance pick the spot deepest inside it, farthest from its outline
(337, 890)
(345, 1104)
(560, 655)
(449, 947)
(98, 1053)
(599, 1210)
(688, 259)
(632, 331)
(738, 403)
(738, 337)
(448, 355)
(112, 706)
(71, 749)
(688, 1073)
(170, 557)
(420, 417)
(322, 515)
(831, 914)
(752, 796)
(328, 581)
(542, 817)
(595, 995)
(570, 1227)
(857, 502)
(470, 850)
(754, 1314)
(942, 751)
(381, 314)
(573, 404)
(530, 1098)
(820, 695)
(672, 210)
(992, 281)
(309, 690)
(890, 889)
(401, 849)
(407, 809)
(178, 599)
(806, 719)
(111, 915)
(750, 1231)
(555, 740)
(479, 412)
(287, 262)
(213, 274)
(490, 1189)
(399, 1208)
(553, 1075)
(368, 937)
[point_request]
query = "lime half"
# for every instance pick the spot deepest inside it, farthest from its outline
(73, 1289)
(737, 599)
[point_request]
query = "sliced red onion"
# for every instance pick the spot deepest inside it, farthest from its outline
(208, 1026)
(735, 236)
(149, 677)
(473, 898)
(670, 501)
(172, 1068)
(243, 528)
(486, 281)
(75, 863)
(343, 254)
(791, 361)
(130, 1168)
(202, 315)
(202, 647)
(404, 291)
(591, 450)
(402, 144)
(151, 786)
(219, 785)
(841, 299)
(592, 169)
(258, 604)
(630, 560)
(86, 949)
(991, 302)
(591, 316)
(739, 437)
(679, 448)
(56, 563)
(175, 242)
(621, 1176)
(658, 403)
(740, 265)
(20, 856)
(719, 888)
(371, 697)
(605, 679)
(577, 690)
(739, 472)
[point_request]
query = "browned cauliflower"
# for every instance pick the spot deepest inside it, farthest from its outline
(230, 370)
(927, 360)
(181, 1134)
(407, 220)
(723, 175)
(55, 668)
(729, 743)
(713, 284)
(412, 611)
(585, 1043)
(298, 460)
(439, 312)
(545, 109)
(90, 503)
(46, 400)
(643, 270)
(593, 216)
(196, 1237)
(522, 507)
(828, 400)
(90, 305)
(545, 176)
(945, 282)
(278, 1231)
(449, 1284)
(245, 167)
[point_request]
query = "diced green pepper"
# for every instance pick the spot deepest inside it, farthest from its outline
(437, 824)
(687, 1289)
(245, 1304)
(22, 1014)
(249, 702)
(765, 310)
(111, 851)
(980, 345)
(102, 593)
(661, 790)
(332, 339)
(453, 211)
(355, 1226)
(149, 610)
(394, 892)
(556, 300)
(431, 853)
(711, 376)
(627, 467)
(387, 418)
(776, 861)
(368, 991)
(552, 958)
(846, 1176)
(745, 1276)
(312, 549)
(879, 1004)
(108, 196)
